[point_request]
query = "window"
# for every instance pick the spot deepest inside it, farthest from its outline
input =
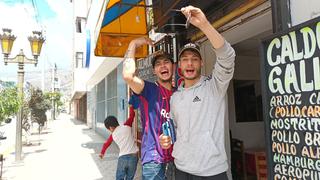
(101, 101)
(112, 105)
(79, 59)
(80, 23)
(248, 101)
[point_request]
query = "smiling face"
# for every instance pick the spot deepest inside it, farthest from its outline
(190, 64)
(163, 69)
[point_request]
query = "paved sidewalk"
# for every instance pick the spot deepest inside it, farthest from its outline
(67, 149)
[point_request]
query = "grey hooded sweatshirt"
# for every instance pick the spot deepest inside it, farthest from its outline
(199, 113)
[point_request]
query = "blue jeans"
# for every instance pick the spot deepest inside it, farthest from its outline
(127, 165)
(153, 171)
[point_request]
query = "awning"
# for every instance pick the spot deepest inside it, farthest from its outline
(123, 21)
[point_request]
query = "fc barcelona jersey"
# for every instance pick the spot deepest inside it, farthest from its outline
(155, 109)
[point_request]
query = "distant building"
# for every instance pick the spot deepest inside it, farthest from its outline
(78, 104)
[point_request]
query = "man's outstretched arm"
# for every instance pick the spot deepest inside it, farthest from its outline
(198, 19)
(129, 65)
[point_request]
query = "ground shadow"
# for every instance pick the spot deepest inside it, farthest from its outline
(77, 122)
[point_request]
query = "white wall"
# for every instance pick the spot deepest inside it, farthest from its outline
(79, 45)
(304, 10)
(80, 76)
(80, 8)
(246, 68)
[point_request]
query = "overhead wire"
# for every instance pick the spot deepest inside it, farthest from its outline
(37, 14)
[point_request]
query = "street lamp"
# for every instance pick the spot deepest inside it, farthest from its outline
(36, 41)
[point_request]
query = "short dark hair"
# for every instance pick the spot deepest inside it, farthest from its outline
(159, 55)
(111, 121)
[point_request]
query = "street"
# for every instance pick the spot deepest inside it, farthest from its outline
(66, 149)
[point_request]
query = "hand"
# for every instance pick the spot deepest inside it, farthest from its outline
(101, 156)
(195, 16)
(165, 141)
(141, 41)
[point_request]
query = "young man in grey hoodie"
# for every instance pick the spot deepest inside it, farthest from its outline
(198, 107)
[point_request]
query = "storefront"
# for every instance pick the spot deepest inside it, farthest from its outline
(243, 23)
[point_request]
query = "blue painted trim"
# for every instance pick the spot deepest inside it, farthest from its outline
(88, 52)
(116, 11)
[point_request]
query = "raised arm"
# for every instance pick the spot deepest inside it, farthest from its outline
(198, 19)
(129, 121)
(129, 64)
(224, 66)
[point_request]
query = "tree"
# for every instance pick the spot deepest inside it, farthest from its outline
(26, 122)
(9, 103)
(56, 98)
(38, 105)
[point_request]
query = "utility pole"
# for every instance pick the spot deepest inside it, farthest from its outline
(42, 78)
(54, 73)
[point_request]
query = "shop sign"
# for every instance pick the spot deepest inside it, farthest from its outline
(145, 69)
(290, 71)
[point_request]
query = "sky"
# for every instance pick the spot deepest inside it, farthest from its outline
(53, 18)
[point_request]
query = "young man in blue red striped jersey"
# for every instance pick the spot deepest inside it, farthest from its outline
(154, 107)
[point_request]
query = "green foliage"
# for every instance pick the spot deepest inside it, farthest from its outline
(25, 117)
(38, 105)
(9, 103)
(56, 97)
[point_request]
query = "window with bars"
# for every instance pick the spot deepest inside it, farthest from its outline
(101, 101)
(111, 99)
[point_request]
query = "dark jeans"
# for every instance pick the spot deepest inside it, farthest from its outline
(180, 175)
(170, 170)
(127, 165)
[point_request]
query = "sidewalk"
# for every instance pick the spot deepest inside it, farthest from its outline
(67, 149)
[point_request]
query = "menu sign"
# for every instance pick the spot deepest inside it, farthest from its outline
(291, 84)
(145, 69)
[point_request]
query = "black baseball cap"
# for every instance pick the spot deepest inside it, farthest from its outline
(160, 54)
(191, 47)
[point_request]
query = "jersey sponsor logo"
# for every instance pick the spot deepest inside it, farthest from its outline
(196, 99)
(164, 113)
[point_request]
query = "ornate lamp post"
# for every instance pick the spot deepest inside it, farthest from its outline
(36, 41)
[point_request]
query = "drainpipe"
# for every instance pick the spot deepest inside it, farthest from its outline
(281, 16)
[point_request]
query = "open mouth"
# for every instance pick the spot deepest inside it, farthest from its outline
(164, 72)
(190, 71)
